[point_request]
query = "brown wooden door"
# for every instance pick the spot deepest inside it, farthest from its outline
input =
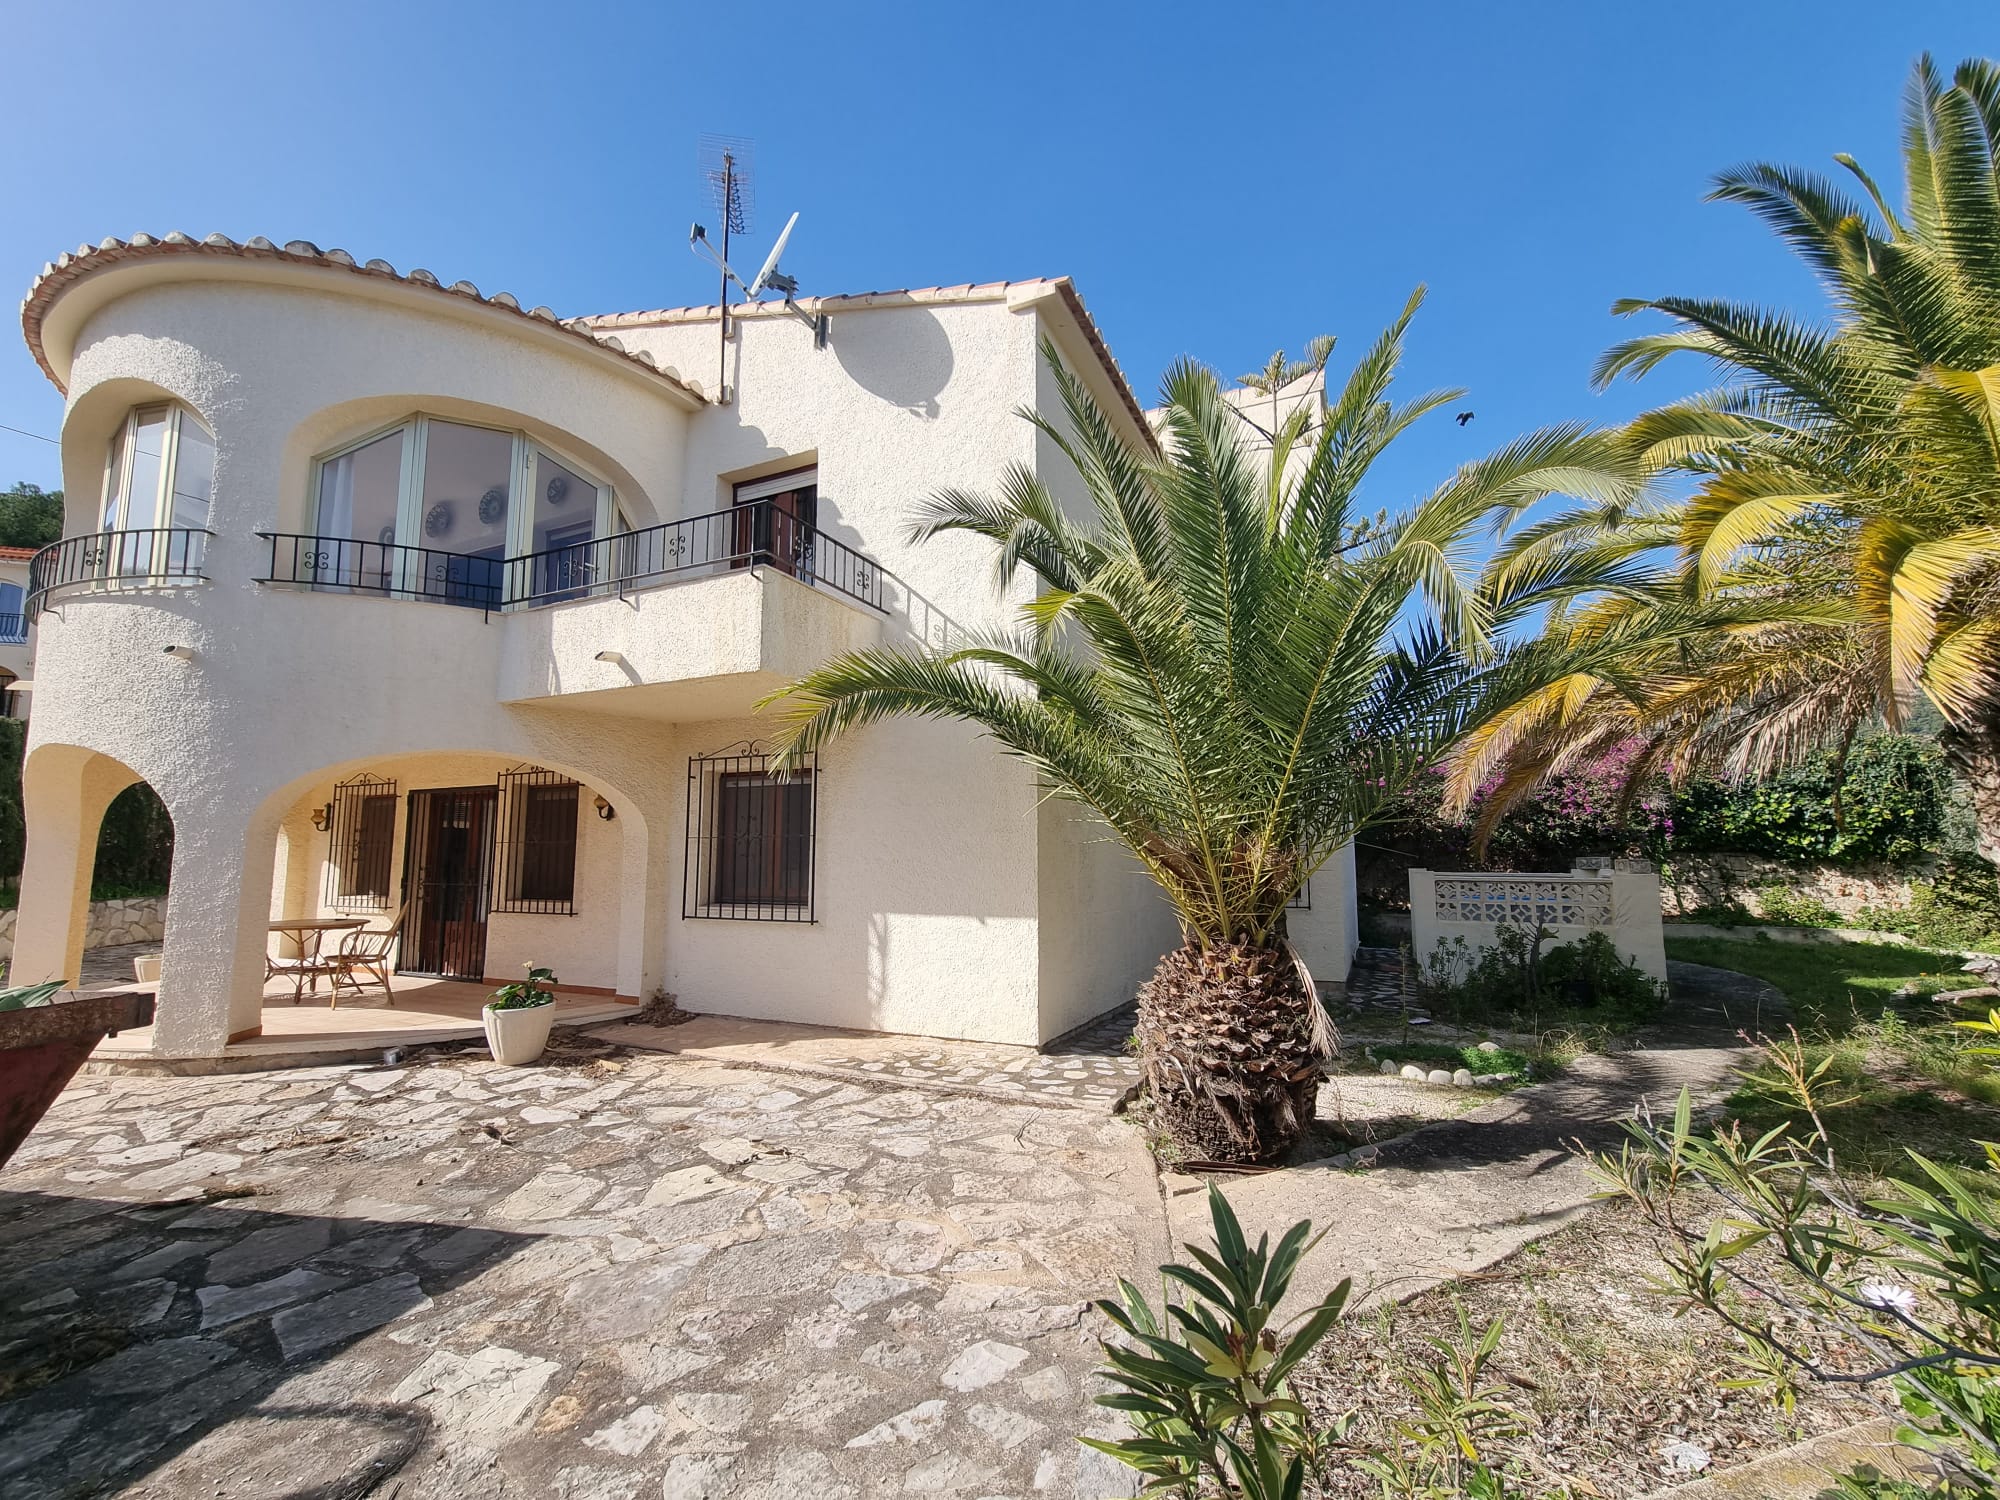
(450, 880)
(776, 530)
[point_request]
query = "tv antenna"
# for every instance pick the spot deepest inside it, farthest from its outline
(726, 171)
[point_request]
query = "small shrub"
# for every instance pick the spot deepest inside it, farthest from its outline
(1859, 1282)
(1518, 978)
(1959, 907)
(1205, 1381)
(1719, 914)
(1784, 907)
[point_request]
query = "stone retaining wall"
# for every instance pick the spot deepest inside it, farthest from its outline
(140, 919)
(1717, 879)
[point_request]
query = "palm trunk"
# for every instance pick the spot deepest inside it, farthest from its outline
(1227, 1037)
(1973, 749)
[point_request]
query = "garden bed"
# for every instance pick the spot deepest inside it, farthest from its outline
(1605, 1379)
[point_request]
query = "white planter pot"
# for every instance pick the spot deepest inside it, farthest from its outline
(517, 1037)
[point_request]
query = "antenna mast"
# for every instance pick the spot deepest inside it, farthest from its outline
(725, 165)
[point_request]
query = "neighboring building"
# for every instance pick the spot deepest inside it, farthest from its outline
(17, 653)
(398, 593)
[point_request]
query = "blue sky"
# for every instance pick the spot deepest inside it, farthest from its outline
(1220, 179)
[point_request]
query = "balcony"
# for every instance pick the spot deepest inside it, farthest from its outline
(166, 557)
(13, 630)
(760, 534)
(693, 619)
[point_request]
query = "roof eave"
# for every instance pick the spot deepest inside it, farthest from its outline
(60, 276)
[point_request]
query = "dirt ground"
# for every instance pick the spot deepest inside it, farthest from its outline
(1603, 1374)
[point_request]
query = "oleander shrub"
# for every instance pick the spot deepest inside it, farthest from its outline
(1830, 1275)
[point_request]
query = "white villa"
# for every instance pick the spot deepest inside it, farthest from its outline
(414, 603)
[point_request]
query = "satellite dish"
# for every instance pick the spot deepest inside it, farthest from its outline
(770, 275)
(725, 163)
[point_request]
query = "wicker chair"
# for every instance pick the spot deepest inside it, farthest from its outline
(369, 952)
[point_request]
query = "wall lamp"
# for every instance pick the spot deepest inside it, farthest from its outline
(605, 810)
(185, 653)
(616, 658)
(323, 817)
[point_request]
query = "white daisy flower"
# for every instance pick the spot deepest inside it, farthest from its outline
(1887, 1295)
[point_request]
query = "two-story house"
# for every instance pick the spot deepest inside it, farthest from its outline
(409, 599)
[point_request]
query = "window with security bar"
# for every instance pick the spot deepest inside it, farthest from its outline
(1302, 899)
(359, 873)
(750, 839)
(535, 863)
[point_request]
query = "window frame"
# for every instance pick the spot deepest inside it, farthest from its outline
(348, 861)
(517, 854)
(706, 841)
(120, 445)
(527, 449)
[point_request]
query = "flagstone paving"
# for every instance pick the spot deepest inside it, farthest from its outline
(1090, 1068)
(647, 1275)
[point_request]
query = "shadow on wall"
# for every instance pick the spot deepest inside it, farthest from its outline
(136, 1331)
(906, 361)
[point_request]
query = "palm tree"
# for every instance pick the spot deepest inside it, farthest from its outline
(1852, 471)
(1221, 667)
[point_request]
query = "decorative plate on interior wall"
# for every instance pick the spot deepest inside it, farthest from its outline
(493, 505)
(558, 490)
(437, 520)
(386, 536)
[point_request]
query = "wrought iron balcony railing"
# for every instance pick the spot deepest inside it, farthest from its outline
(762, 533)
(162, 557)
(344, 565)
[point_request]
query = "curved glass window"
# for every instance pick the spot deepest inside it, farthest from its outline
(159, 472)
(433, 508)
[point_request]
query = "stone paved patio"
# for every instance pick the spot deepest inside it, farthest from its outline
(646, 1276)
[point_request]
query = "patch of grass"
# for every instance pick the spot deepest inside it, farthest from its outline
(1833, 987)
(1899, 1076)
(1877, 1112)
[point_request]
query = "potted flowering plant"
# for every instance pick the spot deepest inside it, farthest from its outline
(518, 1016)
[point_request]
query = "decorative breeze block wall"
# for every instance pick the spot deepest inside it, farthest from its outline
(1623, 905)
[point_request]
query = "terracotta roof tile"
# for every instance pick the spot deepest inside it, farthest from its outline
(66, 270)
(17, 554)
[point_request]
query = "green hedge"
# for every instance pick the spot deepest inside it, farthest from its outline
(1896, 802)
(1890, 806)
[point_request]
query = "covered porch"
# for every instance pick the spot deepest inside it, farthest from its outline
(426, 1010)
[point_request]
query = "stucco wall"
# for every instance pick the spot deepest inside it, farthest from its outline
(1630, 917)
(1327, 933)
(903, 402)
(1104, 923)
(932, 854)
(924, 895)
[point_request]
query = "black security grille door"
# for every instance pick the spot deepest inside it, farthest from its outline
(451, 840)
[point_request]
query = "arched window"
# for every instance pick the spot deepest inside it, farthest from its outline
(160, 471)
(473, 495)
